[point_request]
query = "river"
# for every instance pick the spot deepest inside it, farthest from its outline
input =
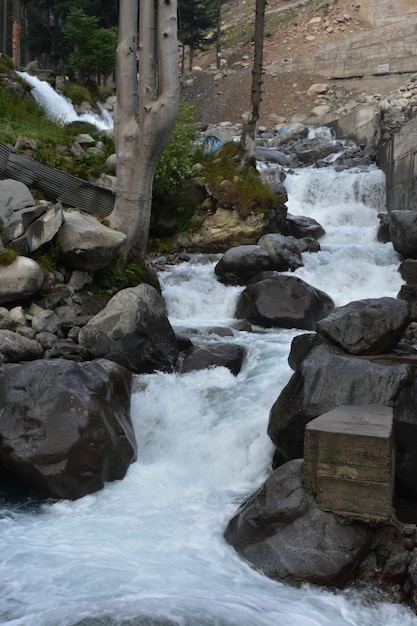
(149, 550)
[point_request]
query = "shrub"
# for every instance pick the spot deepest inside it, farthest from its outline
(7, 256)
(175, 163)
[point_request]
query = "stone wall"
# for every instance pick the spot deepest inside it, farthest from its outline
(387, 44)
(398, 160)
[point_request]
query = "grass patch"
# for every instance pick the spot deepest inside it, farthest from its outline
(246, 192)
(113, 278)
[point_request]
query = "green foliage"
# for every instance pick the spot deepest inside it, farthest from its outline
(78, 93)
(93, 49)
(175, 163)
(7, 256)
(247, 193)
(112, 277)
(195, 17)
(47, 256)
(6, 64)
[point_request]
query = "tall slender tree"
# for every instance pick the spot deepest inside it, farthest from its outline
(195, 17)
(247, 140)
(147, 106)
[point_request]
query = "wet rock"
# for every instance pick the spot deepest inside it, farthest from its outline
(283, 302)
(371, 326)
(280, 530)
(65, 427)
(132, 330)
(214, 355)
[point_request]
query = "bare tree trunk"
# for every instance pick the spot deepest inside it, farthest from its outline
(247, 141)
(146, 111)
(5, 27)
(218, 33)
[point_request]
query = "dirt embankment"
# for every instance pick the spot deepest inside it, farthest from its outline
(224, 94)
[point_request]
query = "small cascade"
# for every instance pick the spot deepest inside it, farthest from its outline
(60, 108)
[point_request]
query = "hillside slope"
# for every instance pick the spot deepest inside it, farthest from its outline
(355, 48)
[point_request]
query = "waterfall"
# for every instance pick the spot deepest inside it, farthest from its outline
(149, 550)
(61, 109)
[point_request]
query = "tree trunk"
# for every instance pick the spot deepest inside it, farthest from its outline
(16, 28)
(218, 34)
(146, 111)
(247, 141)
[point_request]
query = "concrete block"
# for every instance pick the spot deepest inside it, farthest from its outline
(349, 457)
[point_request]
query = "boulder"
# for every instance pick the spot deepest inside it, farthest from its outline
(227, 355)
(14, 196)
(403, 233)
(44, 228)
(240, 263)
(132, 330)
(288, 132)
(371, 326)
(280, 530)
(301, 226)
(283, 302)
(283, 252)
(65, 427)
(15, 348)
(326, 377)
(20, 280)
(86, 244)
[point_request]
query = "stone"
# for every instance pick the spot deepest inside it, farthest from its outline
(326, 377)
(15, 348)
(132, 330)
(66, 428)
(243, 262)
(20, 280)
(227, 355)
(370, 326)
(317, 88)
(283, 302)
(86, 244)
(5, 318)
(281, 531)
(283, 252)
(18, 315)
(44, 228)
(301, 226)
(403, 233)
(349, 459)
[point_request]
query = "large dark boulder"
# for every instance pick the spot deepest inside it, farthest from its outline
(403, 233)
(301, 226)
(227, 355)
(280, 530)
(240, 263)
(133, 330)
(65, 427)
(283, 251)
(372, 326)
(283, 302)
(327, 377)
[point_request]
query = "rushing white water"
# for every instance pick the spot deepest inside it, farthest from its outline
(61, 109)
(149, 549)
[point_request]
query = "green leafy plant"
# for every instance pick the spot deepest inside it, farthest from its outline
(6, 63)
(113, 278)
(175, 163)
(246, 192)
